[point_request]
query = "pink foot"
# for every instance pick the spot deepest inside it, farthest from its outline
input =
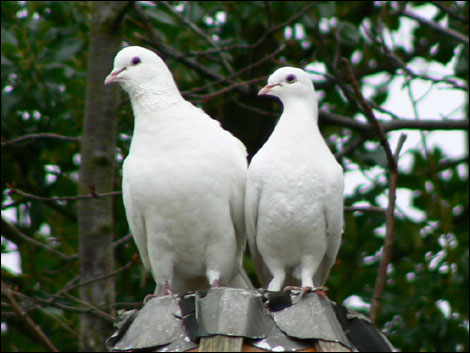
(148, 297)
(291, 288)
(166, 289)
(318, 290)
(304, 290)
(321, 293)
(215, 283)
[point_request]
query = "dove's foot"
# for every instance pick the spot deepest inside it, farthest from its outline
(292, 288)
(148, 297)
(318, 290)
(304, 290)
(165, 291)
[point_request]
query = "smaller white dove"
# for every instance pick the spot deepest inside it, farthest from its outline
(294, 192)
(183, 182)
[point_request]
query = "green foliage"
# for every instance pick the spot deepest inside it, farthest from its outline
(44, 59)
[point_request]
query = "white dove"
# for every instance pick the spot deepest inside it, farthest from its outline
(183, 182)
(294, 192)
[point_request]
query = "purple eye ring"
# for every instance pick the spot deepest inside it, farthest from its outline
(135, 60)
(290, 78)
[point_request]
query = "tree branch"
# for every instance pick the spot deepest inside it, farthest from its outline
(35, 329)
(14, 190)
(273, 29)
(448, 32)
(389, 235)
(200, 32)
(364, 209)
(170, 51)
(397, 124)
(45, 135)
(450, 12)
(393, 180)
(238, 73)
(100, 278)
(225, 89)
(92, 309)
(370, 116)
(7, 227)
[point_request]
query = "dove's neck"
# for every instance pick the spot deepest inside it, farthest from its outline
(299, 118)
(150, 101)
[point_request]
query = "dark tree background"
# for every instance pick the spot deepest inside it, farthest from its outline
(221, 53)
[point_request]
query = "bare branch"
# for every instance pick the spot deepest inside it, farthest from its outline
(92, 309)
(296, 16)
(122, 240)
(398, 124)
(259, 62)
(351, 147)
(445, 164)
(15, 190)
(269, 10)
(252, 108)
(60, 320)
(342, 120)
(222, 48)
(6, 226)
(99, 278)
(35, 329)
(200, 32)
(72, 284)
(400, 143)
(226, 89)
(389, 234)
(449, 32)
(170, 51)
(450, 12)
(370, 115)
(393, 180)
(422, 124)
(397, 61)
(45, 135)
(364, 209)
(37, 302)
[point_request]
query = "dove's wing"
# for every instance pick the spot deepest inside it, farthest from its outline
(294, 191)
(183, 182)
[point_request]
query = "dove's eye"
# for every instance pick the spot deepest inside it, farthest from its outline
(290, 78)
(135, 60)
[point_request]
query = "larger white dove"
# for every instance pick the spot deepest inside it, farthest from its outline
(183, 182)
(294, 192)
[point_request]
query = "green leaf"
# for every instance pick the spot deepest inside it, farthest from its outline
(67, 50)
(8, 37)
(9, 100)
(349, 33)
(327, 9)
(160, 16)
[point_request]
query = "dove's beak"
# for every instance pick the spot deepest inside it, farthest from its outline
(113, 76)
(266, 89)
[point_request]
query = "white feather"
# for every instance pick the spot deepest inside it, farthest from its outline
(294, 192)
(183, 181)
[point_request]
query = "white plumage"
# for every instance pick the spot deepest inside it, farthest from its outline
(294, 192)
(183, 182)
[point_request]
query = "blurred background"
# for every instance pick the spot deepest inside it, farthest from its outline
(410, 60)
